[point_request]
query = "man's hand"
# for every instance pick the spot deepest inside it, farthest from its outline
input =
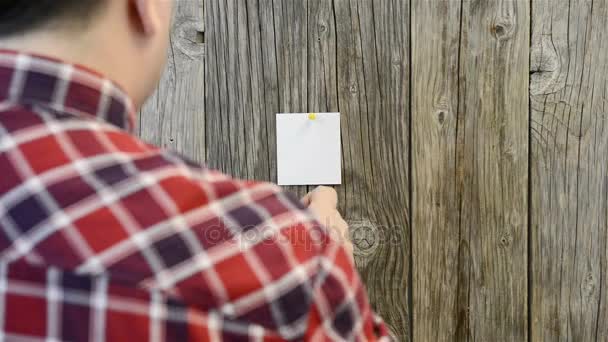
(323, 201)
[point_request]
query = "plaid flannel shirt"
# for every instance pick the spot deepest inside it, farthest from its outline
(105, 237)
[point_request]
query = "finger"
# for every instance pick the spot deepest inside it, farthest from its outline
(342, 226)
(306, 199)
(325, 196)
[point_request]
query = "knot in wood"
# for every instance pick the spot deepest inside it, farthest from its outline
(366, 239)
(509, 152)
(190, 37)
(506, 239)
(396, 60)
(322, 27)
(322, 30)
(441, 116)
(353, 88)
(503, 28)
(589, 286)
(545, 65)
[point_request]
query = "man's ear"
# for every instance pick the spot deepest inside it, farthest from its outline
(147, 14)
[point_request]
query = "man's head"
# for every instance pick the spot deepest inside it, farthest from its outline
(125, 39)
(20, 17)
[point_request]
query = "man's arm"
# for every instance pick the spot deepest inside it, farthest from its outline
(340, 307)
(244, 250)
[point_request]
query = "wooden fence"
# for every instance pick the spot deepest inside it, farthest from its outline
(474, 138)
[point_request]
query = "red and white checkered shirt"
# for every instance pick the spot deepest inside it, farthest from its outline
(105, 237)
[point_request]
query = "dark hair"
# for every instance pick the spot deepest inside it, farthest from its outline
(20, 16)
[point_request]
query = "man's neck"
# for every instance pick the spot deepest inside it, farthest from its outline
(86, 49)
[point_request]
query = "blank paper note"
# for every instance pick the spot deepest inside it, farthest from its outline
(308, 148)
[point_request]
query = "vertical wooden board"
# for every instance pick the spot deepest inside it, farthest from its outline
(237, 120)
(373, 89)
(223, 148)
(217, 96)
(493, 141)
(291, 39)
(568, 170)
(470, 160)
(270, 81)
(322, 77)
(440, 244)
(257, 68)
(290, 20)
(261, 114)
(174, 116)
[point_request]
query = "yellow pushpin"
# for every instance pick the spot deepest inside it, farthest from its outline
(312, 116)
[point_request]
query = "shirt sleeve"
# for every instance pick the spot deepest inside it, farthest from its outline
(340, 309)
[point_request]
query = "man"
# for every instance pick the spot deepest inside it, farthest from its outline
(105, 237)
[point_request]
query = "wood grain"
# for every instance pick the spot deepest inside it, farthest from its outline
(470, 163)
(266, 57)
(174, 116)
(373, 90)
(256, 49)
(568, 170)
(474, 141)
(441, 255)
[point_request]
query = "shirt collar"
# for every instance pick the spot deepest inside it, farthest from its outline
(33, 79)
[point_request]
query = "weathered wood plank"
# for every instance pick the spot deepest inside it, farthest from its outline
(291, 51)
(266, 57)
(373, 89)
(440, 245)
(219, 98)
(237, 123)
(470, 163)
(174, 117)
(257, 67)
(569, 204)
(494, 132)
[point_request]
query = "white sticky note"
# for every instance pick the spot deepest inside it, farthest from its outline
(308, 148)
